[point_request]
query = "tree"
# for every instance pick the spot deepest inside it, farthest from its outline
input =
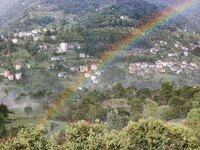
(165, 92)
(28, 110)
(196, 100)
(143, 93)
(115, 120)
(29, 139)
(153, 134)
(179, 106)
(118, 91)
(83, 135)
(4, 110)
(193, 118)
(48, 33)
(150, 108)
(3, 115)
(136, 108)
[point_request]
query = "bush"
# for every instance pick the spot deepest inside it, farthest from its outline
(193, 118)
(28, 110)
(152, 134)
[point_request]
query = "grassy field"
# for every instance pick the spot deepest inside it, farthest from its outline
(32, 121)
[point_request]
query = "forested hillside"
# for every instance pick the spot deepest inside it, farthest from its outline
(26, 14)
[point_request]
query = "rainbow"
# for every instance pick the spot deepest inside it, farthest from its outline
(133, 36)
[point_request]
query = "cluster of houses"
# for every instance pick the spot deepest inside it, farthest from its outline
(178, 46)
(89, 72)
(145, 68)
(161, 67)
(68, 47)
(32, 33)
(13, 76)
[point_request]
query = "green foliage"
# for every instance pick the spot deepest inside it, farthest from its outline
(4, 111)
(136, 108)
(193, 118)
(179, 106)
(43, 20)
(28, 139)
(165, 92)
(148, 134)
(143, 93)
(136, 104)
(84, 135)
(116, 120)
(28, 110)
(196, 100)
(3, 115)
(150, 108)
(118, 91)
(196, 51)
(152, 134)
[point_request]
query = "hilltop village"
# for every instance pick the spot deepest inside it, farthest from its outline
(24, 53)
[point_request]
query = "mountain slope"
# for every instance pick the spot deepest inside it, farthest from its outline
(191, 14)
(26, 14)
(33, 13)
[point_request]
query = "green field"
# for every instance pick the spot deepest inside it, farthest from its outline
(18, 120)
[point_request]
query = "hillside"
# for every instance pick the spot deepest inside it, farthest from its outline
(192, 14)
(26, 14)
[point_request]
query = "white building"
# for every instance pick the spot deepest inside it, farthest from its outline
(24, 34)
(87, 75)
(84, 68)
(124, 17)
(62, 75)
(28, 66)
(93, 78)
(43, 46)
(35, 38)
(10, 77)
(154, 51)
(72, 68)
(184, 48)
(14, 41)
(45, 30)
(53, 37)
(82, 55)
(55, 58)
(186, 53)
(35, 31)
(6, 73)
(98, 73)
(173, 55)
(94, 67)
(194, 65)
(63, 47)
(18, 67)
(176, 45)
(18, 76)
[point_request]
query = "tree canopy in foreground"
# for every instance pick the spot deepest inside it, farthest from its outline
(146, 134)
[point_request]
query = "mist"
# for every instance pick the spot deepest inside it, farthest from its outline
(5, 5)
